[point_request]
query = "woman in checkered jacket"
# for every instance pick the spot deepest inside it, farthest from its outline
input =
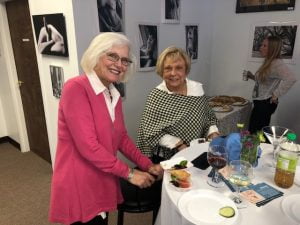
(176, 111)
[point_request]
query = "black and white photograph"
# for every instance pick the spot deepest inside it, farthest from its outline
(191, 37)
(57, 80)
(51, 36)
(148, 46)
(246, 6)
(110, 14)
(286, 32)
(170, 11)
(121, 88)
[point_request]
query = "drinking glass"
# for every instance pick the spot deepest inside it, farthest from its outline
(240, 174)
(217, 158)
(275, 135)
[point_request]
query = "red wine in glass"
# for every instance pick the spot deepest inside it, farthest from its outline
(217, 158)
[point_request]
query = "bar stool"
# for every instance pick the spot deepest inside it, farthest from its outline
(137, 200)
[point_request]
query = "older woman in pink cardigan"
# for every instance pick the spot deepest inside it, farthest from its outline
(91, 129)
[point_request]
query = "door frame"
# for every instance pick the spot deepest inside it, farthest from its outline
(7, 53)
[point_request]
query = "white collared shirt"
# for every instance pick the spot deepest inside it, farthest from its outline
(111, 95)
(193, 89)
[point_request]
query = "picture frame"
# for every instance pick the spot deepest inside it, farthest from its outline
(57, 80)
(247, 6)
(170, 11)
(51, 35)
(111, 15)
(286, 30)
(148, 46)
(191, 41)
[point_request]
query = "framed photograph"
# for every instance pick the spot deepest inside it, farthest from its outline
(111, 15)
(57, 80)
(148, 46)
(245, 6)
(170, 11)
(50, 33)
(191, 40)
(286, 31)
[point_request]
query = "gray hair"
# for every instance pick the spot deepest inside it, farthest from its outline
(101, 44)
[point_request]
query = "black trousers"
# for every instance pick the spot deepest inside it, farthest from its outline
(261, 114)
(98, 220)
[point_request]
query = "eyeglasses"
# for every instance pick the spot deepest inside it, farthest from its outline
(114, 57)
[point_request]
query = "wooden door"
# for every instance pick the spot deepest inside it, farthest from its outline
(25, 58)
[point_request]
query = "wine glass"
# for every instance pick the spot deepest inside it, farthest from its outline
(217, 158)
(240, 174)
(275, 135)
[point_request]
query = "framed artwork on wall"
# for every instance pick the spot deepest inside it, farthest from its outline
(170, 11)
(191, 40)
(245, 6)
(51, 35)
(285, 30)
(57, 80)
(111, 15)
(148, 46)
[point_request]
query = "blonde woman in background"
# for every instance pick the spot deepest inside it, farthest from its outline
(273, 79)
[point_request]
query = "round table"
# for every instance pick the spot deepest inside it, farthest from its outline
(271, 213)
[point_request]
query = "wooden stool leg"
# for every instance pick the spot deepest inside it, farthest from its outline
(120, 217)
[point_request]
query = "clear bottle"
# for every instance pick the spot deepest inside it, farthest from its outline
(286, 162)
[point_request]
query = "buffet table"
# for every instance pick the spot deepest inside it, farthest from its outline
(269, 214)
(229, 120)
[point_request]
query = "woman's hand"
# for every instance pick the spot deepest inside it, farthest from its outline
(157, 170)
(274, 99)
(141, 179)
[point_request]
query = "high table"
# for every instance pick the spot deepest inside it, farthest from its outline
(228, 120)
(269, 214)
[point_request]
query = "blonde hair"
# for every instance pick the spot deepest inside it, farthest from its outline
(274, 52)
(174, 53)
(100, 45)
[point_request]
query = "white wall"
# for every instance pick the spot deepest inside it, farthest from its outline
(70, 65)
(231, 38)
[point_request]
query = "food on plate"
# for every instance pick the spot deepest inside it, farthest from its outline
(180, 178)
(227, 211)
(181, 165)
(223, 100)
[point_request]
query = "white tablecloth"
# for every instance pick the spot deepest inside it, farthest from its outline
(269, 214)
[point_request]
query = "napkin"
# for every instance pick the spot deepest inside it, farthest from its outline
(227, 182)
(261, 193)
(168, 164)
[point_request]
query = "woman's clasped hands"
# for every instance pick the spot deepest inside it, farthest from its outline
(146, 179)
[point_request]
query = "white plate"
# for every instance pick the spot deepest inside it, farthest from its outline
(297, 176)
(168, 164)
(202, 206)
(290, 206)
(241, 103)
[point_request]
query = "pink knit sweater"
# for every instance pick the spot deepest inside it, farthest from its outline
(86, 171)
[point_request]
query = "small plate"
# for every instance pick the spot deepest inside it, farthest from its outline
(290, 206)
(181, 189)
(224, 108)
(168, 164)
(241, 103)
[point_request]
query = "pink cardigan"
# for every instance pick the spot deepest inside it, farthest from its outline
(86, 171)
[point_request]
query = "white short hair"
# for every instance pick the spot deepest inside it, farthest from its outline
(101, 44)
